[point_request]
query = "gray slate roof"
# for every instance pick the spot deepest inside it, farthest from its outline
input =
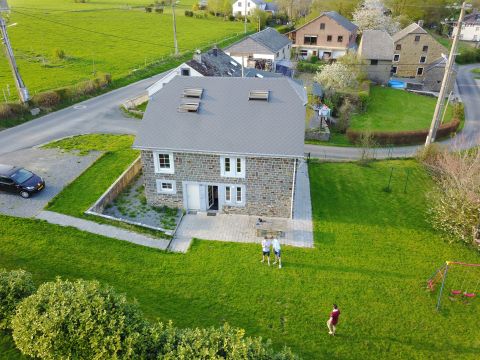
(227, 122)
(215, 63)
(269, 38)
(413, 28)
(376, 44)
(473, 18)
(341, 20)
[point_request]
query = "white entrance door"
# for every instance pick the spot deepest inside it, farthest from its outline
(193, 197)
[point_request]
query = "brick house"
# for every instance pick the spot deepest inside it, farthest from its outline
(223, 144)
(414, 51)
(262, 50)
(376, 50)
(328, 36)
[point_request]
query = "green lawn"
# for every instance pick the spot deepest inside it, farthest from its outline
(45, 25)
(396, 110)
(373, 253)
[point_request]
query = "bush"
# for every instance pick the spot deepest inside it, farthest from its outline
(58, 53)
(159, 10)
(81, 320)
(12, 110)
(345, 115)
(46, 100)
(404, 137)
(468, 56)
(231, 18)
(225, 342)
(459, 111)
(148, 9)
(309, 67)
(188, 13)
(15, 285)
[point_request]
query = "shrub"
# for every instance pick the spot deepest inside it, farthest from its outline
(231, 18)
(468, 56)
(309, 67)
(345, 111)
(15, 285)
(188, 13)
(46, 100)
(404, 137)
(148, 9)
(81, 320)
(159, 10)
(459, 111)
(12, 110)
(58, 53)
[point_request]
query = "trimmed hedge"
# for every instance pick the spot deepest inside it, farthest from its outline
(404, 137)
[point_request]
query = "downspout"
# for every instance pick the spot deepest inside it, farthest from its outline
(293, 186)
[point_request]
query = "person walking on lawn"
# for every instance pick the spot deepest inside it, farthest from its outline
(266, 243)
(277, 251)
(333, 321)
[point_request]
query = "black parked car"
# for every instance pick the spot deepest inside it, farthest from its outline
(19, 180)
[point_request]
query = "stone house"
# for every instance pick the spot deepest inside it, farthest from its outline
(328, 36)
(239, 7)
(228, 145)
(211, 63)
(470, 27)
(262, 50)
(414, 51)
(376, 50)
(433, 76)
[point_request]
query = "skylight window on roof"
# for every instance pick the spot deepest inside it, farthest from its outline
(259, 95)
(233, 63)
(193, 93)
(189, 107)
(259, 76)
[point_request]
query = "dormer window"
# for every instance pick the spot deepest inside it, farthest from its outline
(262, 95)
(185, 72)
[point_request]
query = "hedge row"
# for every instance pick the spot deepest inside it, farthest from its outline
(404, 137)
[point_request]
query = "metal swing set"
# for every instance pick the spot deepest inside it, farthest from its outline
(463, 289)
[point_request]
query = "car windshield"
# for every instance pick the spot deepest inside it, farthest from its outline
(21, 175)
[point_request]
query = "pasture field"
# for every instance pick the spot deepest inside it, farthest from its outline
(98, 36)
(374, 251)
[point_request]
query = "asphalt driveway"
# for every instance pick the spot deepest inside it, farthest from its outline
(57, 168)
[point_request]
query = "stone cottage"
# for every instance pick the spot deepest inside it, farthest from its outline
(227, 145)
(376, 50)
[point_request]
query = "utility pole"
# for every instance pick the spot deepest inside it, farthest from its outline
(437, 115)
(22, 89)
(174, 27)
(245, 18)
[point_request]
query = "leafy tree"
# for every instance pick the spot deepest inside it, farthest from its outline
(372, 15)
(343, 75)
(81, 319)
(15, 285)
(259, 16)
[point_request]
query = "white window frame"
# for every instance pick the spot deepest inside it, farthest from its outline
(229, 199)
(423, 69)
(233, 173)
(233, 195)
(160, 189)
(156, 163)
(242, 196)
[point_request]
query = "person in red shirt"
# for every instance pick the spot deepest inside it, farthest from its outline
(333, 321)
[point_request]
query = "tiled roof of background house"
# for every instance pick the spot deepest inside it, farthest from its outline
(215, 63)
(376, 44)
(227, 122)
(271, 39)
(413, 28)
(347, 24)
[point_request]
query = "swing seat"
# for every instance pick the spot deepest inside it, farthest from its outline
(469, 295)
(456, 292)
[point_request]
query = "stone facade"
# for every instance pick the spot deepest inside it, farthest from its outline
(411, 51)
(379, 73)
(267, 183)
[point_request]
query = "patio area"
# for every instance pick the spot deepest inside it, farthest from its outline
(241, 228)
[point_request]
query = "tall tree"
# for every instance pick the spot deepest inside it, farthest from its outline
(373, 15)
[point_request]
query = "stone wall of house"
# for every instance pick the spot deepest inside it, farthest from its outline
(268, 182)
(380, 73)
(432, 81)
(412, 50)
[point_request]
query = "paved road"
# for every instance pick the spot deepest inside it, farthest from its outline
(102, 114)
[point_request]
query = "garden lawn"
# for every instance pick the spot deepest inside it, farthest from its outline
(392, 110)
(373, 253)
(121, 39)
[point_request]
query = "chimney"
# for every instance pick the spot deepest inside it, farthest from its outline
(215, 50)
(420, 23)
(197, 56)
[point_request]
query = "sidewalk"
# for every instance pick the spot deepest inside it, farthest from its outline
(104, 230)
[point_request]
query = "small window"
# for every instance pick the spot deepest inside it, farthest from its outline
(396, 57)
(239, 195)
(310, 40)
(227, 164)
(374, 62)
(185, 72)
(417, 38)
(425, 48)
(239, 165)
(239, 4)
(322, 26)
(278, 54)
(340, 39)
(166, 186)
(228, 194)
(303, 53)
(423, 59)
(420, 71)
(394, 69)
(163, 163)
(398, 47)
(232, 167)
(329, 37)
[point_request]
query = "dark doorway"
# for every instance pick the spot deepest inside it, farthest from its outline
(212, 197)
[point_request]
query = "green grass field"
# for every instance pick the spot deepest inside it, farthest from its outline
(395, 110)
(373, 253)
(119, 40)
